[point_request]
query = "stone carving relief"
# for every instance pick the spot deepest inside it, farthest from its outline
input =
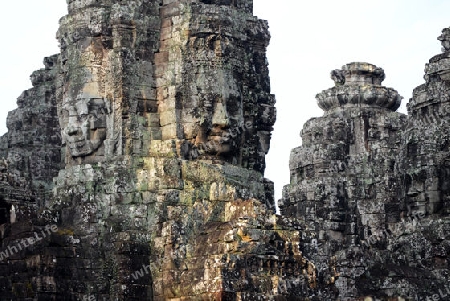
(85, 113)
(215, 124)
(338, 77)
(445, 39)
(165, 115)
(227, 113)
(84, 125)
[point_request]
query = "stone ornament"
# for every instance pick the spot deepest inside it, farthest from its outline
(358, 84)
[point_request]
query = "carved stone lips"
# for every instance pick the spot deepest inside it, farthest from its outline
(221, 139)
(219, 135)
(75, 139)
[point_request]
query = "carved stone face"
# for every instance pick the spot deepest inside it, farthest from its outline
(415, 192)
(427, 179)
(225, 108)
(423, 192)
(84, 125)
(217, 122)
(83, 109)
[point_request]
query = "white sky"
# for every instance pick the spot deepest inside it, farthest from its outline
(309, 39)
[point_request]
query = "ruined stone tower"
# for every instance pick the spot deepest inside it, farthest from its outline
(159, 119)
(368, 188)
(134, 169)
(343, 188)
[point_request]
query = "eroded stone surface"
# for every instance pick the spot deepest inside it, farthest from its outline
(137, 159)
(342, 184)
(369, 187)
(165, 115)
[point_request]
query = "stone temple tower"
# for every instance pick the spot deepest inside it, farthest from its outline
(160, 116)
(369, 187)
(133, 169)
(342, 177)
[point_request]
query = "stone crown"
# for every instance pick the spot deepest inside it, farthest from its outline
(358, 84)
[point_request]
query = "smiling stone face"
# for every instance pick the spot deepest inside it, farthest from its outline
(215, 125)
(83, 109)
(84, 127)
(216, 102)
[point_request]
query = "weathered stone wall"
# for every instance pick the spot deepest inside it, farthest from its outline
(411, 257)
(134, 169)
(342, 184)
(109, 116)
(103, 95)
(31, 152)
(216, 115)
(368, 188)
(165, 114)
(32, 144)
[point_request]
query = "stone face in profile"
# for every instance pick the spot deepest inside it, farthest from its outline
(445, 39)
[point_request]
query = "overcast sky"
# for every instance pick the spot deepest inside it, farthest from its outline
(309, 39)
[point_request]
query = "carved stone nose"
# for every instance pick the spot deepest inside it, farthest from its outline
(71, 130)
(220, 117)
